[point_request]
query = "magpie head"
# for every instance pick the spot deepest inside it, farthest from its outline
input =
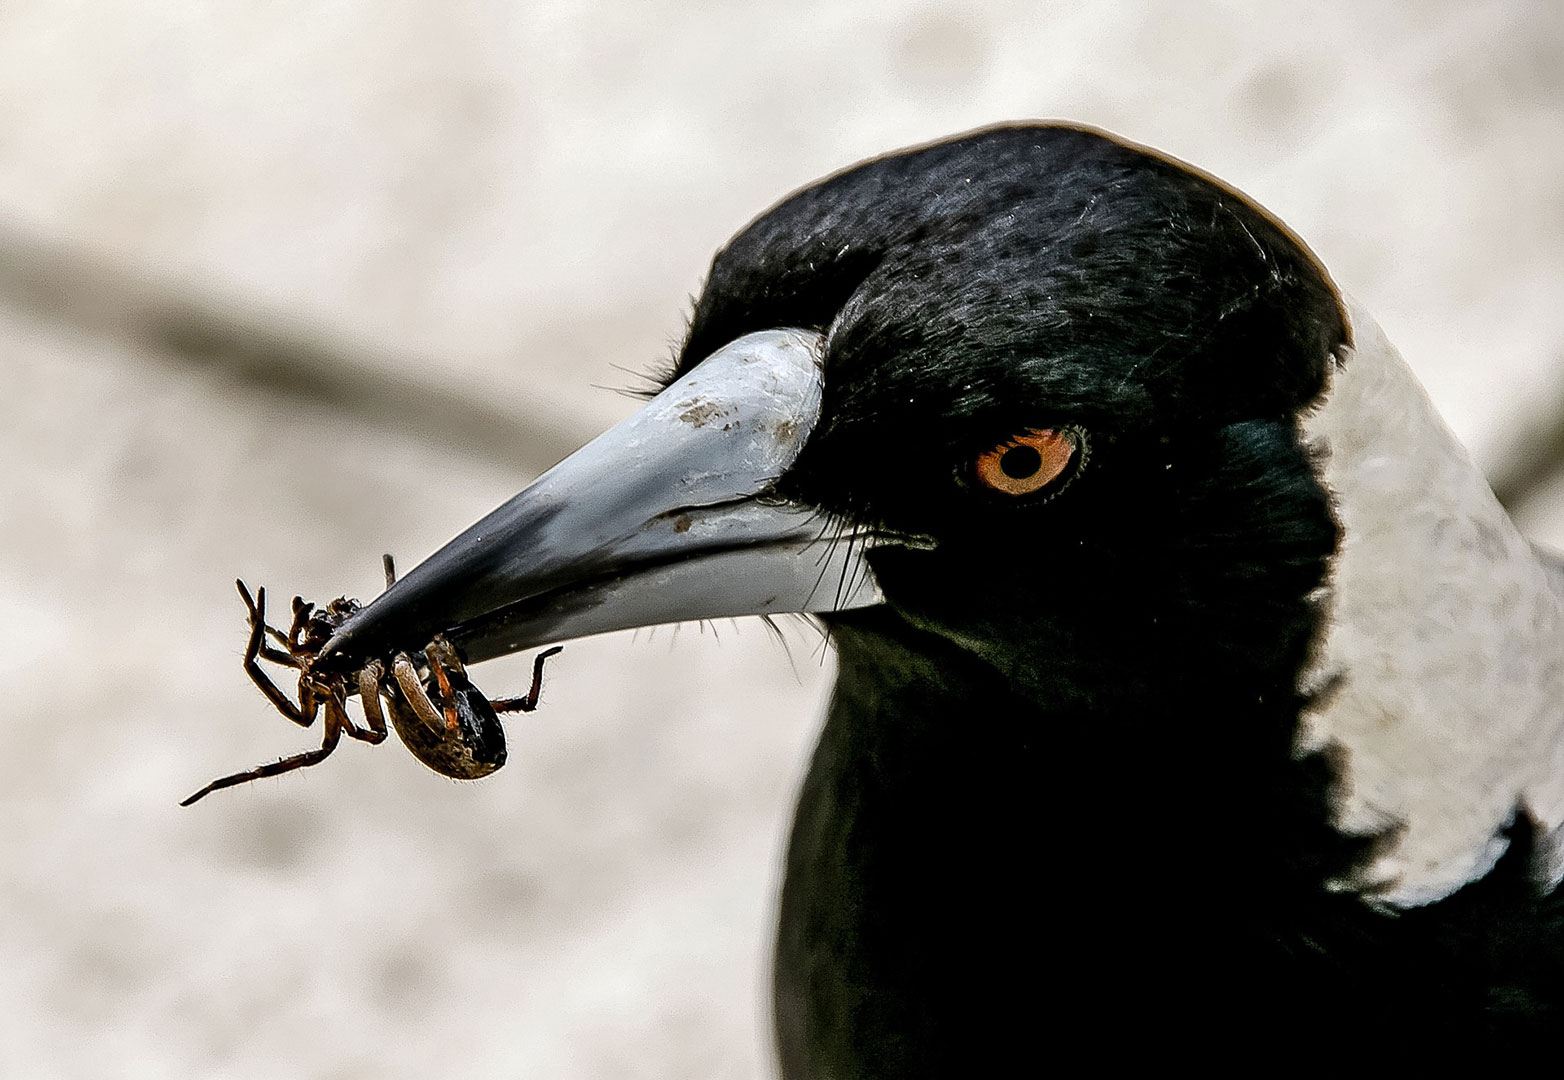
(1009, 353)
(1022, 282)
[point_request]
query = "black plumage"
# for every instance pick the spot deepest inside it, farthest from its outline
(1058, 795)
(1103, 772)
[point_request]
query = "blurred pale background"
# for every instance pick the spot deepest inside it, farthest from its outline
(286, 285)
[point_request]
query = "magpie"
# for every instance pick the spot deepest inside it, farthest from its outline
(1194, 692)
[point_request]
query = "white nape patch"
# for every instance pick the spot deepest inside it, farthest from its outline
(1441, 670)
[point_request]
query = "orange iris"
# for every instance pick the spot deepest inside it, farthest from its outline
(1027, 462)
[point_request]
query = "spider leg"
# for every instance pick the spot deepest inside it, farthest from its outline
(337, 713)
(249, 601)
(300, 714)
(443, 651)
(258, 614)
(301, 615)
(309, 699)
(447, 695)
(413, 690)
(298, 761)
(277, 656)
(530, 701)
(388, 564)
(369, 677)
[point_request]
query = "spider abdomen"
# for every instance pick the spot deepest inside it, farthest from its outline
(471, 748)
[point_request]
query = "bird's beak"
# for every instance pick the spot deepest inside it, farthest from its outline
(666, 517)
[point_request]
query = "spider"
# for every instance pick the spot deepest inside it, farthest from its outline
(461, 738)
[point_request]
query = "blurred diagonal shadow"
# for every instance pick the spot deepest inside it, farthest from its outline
(1538, 460)
(275, 356)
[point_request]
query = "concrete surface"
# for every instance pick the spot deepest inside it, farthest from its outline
(285, 285)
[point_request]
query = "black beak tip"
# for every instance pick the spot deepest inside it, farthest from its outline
(354, 642)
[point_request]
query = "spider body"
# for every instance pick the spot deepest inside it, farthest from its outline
(462, 737)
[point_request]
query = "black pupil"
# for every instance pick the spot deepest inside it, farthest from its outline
(1021, 462)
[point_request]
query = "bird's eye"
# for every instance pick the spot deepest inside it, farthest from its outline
(1031, 460)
